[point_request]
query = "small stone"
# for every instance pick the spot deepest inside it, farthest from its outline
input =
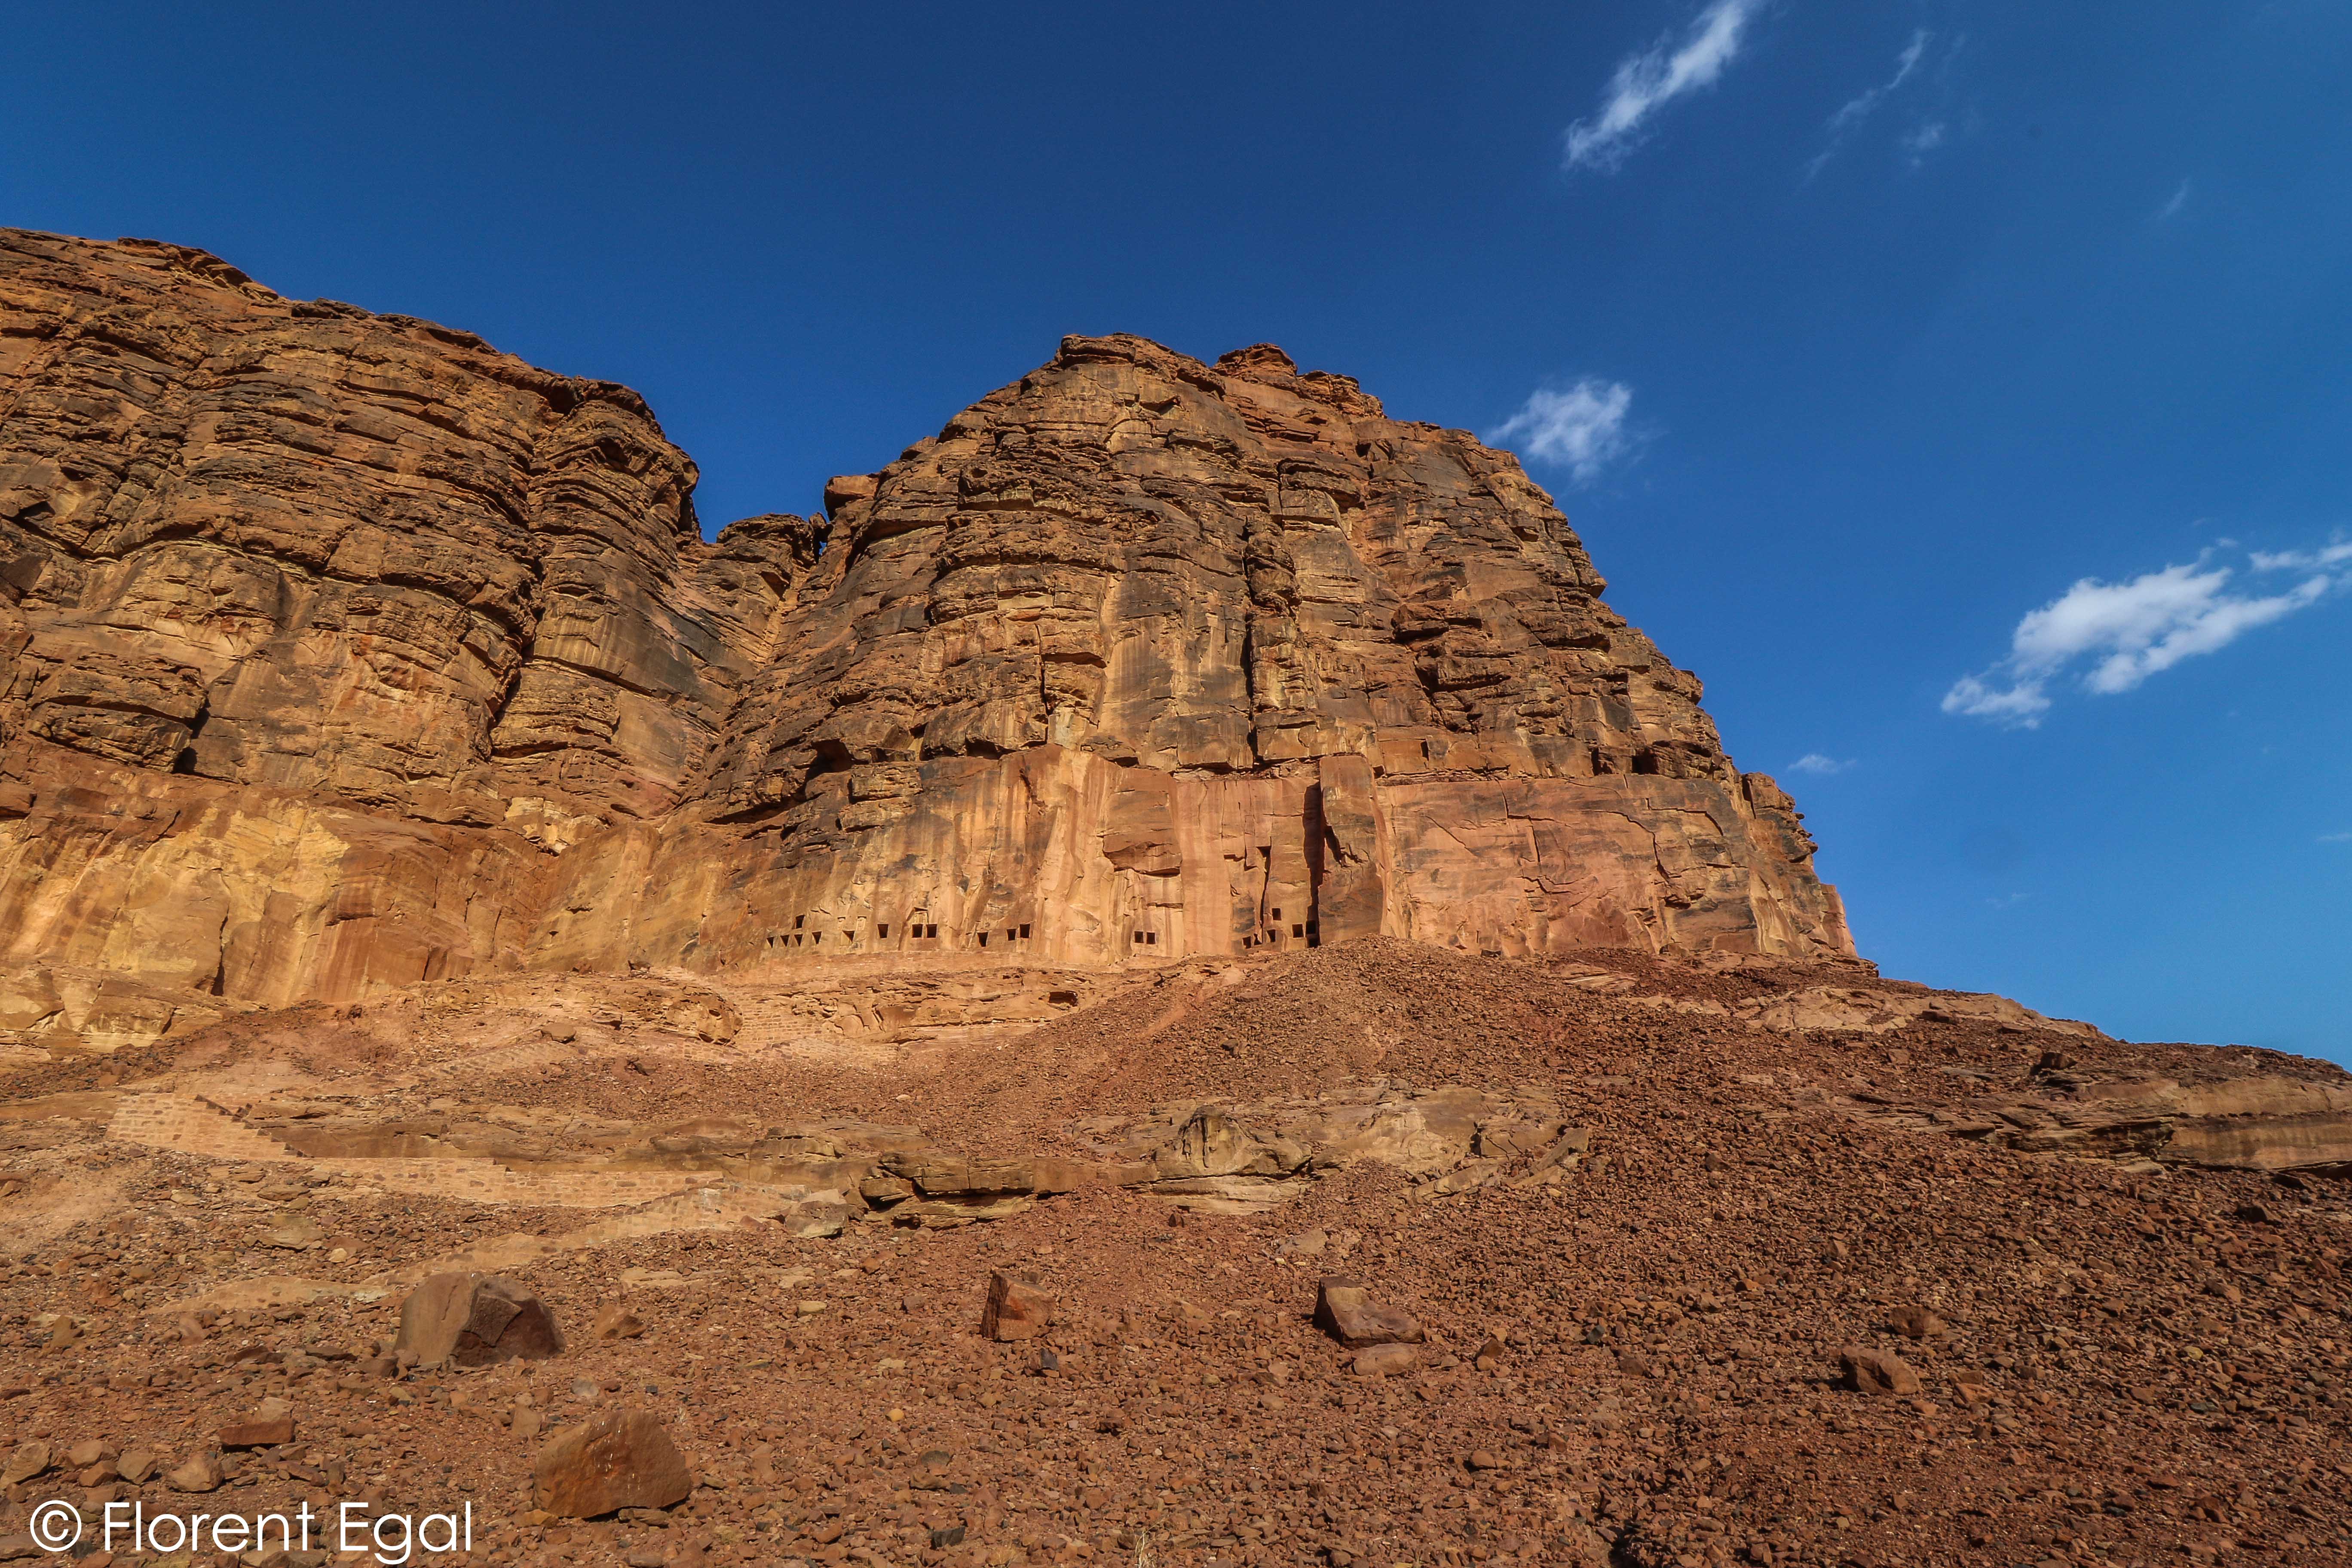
(528, 1422)
(624, 1459)
(28, 1459)
(1016, 1308)
(85, 1454)
(1868, 1371)
(1346, 1310)
(1480, 1460)
(1634, 1364)
(1386, 1360)
(136, 1465)
(943, 1539)
(809, 1309)
(1915, 1322)
(615, 1322)
(295, 1232)
(258, 1431)
(201, 1473)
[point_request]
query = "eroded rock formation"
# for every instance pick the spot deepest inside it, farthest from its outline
(341, 651)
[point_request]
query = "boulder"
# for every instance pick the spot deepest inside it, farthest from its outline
(622, 1459)
(199, 1473)
(1016, 1308)
(1346, 1310)
(1867, 1371)
(474, 1320)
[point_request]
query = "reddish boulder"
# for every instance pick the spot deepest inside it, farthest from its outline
(1346, 1310)
(475, 1319)
(1868, 1371)
(1016, 1310)
(623, 1459)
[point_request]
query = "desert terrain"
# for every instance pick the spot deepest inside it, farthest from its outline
(1161, 981)
(1644, 1211)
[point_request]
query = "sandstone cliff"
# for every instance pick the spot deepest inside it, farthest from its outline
(339, 651)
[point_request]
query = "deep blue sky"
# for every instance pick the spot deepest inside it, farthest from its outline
(2069, 298)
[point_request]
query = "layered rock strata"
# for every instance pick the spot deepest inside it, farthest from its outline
(339, 651)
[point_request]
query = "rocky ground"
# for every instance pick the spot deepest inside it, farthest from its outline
(1686, 1210)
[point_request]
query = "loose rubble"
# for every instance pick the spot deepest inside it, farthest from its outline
(1633, 1354)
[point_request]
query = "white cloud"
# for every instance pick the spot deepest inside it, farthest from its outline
(1859, 108)
(1646, 82)
(2172, 208)
(1582, 429)
(1815, 763)
(1926, 139)
(2119, 634)
(1907, 62)
(2336, 839)
(2301, 560)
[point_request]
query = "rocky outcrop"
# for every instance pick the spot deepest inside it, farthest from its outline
(321, 632)
(1141, 658)
(340, 651)
(2253, 1121)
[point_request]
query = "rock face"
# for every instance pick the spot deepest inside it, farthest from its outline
(324, 631)
(340, 651)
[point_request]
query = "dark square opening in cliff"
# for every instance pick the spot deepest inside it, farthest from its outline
(931, 931)
(883, 929)
(1025, 932)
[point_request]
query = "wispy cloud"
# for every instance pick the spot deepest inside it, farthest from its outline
(1647, 82)
(2318, 560)
(1815, 763)
(1925, 140)
(1859, 108)
(2171, 209)
(2336, 839)
(2119, 634)
(1580, 429)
